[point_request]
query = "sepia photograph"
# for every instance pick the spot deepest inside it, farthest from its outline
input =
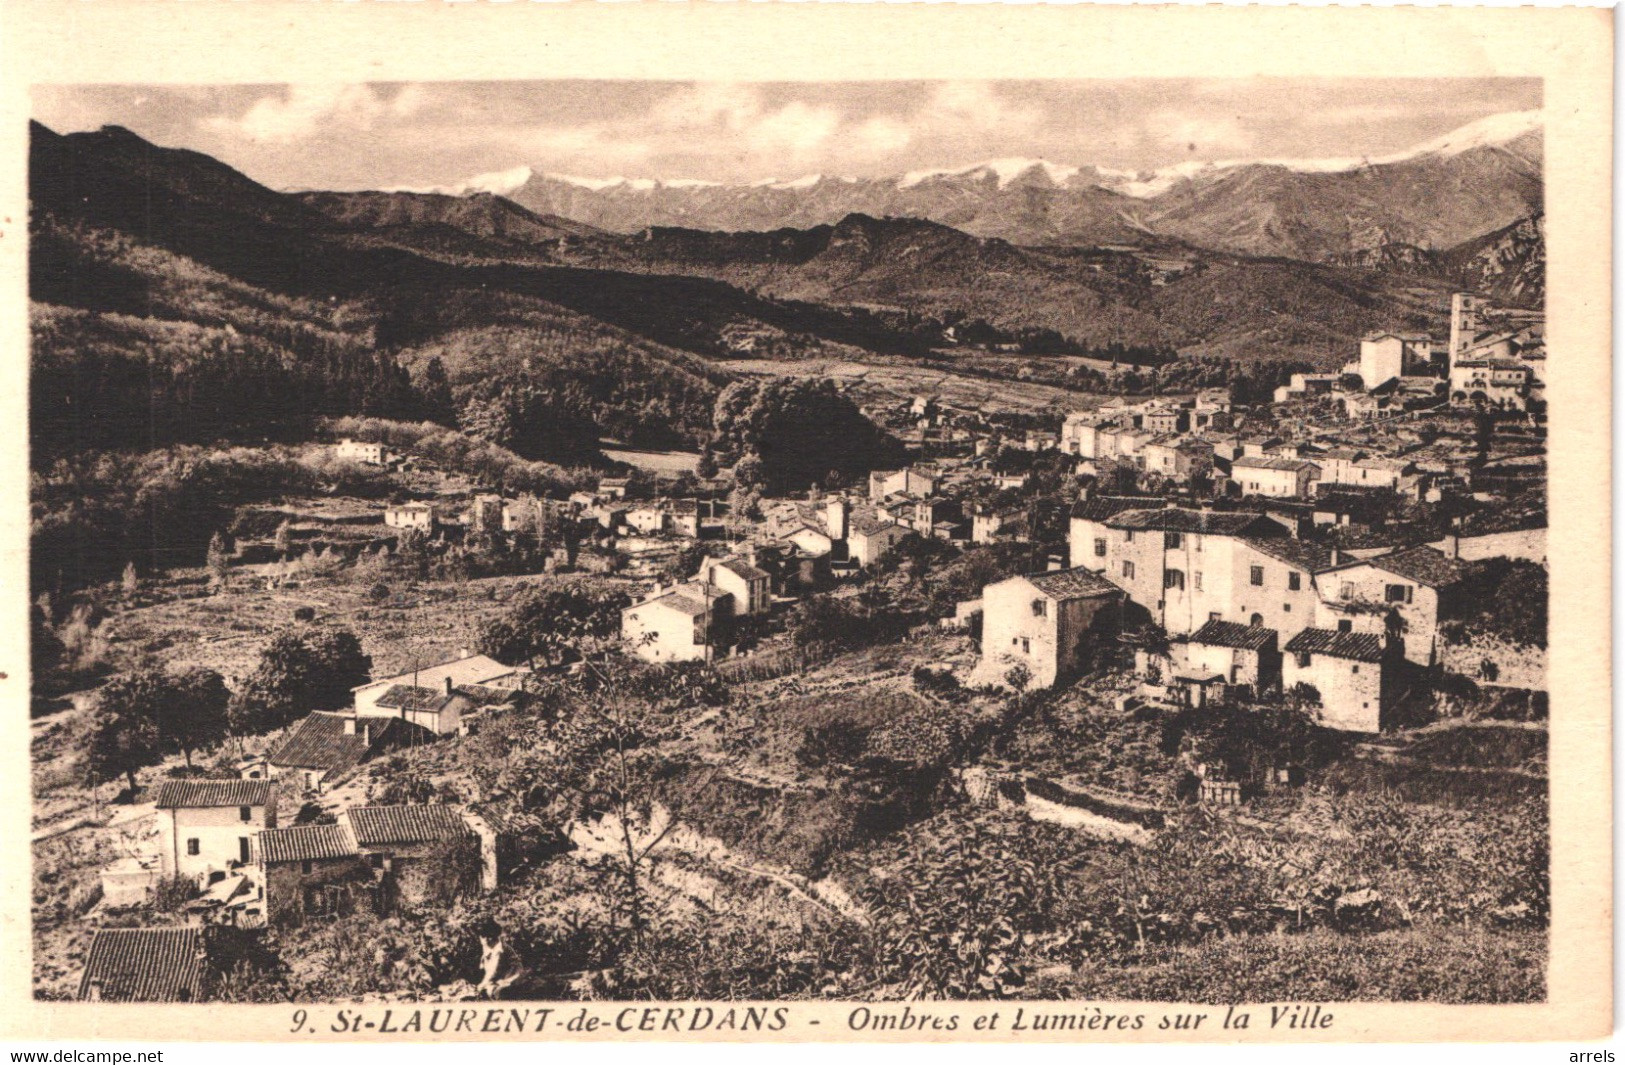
(722, 545)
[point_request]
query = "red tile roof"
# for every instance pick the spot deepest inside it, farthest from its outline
(195, 793)
(405, 824)
(1230, 634)
(304, 843)
(1077, 583)
(1360, 646)
(144, 965)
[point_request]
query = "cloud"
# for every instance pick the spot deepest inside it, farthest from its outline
(298, 112)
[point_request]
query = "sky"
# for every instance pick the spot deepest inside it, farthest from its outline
(384, 135)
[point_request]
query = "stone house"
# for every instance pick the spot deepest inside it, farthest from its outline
(1401, 596)
(1087, 535)
(419, 516)
(1247, 657)
(207, 828)
(1268, 475)
(681, 624)
(1051, 623)
(1185, 568)
(467, 669)
(869, 536)
(377, 859)
(1351, 673)
(750, 587)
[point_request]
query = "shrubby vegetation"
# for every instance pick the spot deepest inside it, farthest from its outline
(788, 433)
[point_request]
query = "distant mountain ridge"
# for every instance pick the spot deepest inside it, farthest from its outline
(1470, 182)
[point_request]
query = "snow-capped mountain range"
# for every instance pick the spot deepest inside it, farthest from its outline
(1473, 180)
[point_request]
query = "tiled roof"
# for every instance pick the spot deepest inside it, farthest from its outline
(740, 568)
(406, 697)
(145, 965)
(475, 669)
(1299, 553)
(320, 742)
(1360, 646)
(177, 793)
(1272, 462)
(870, 524)
(1424, 565)
(1102, 507)
(1073, 584)
(405, 824)
(1220, 523)
(305, 843)
(1230, 634)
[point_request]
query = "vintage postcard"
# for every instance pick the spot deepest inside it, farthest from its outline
(807, 523)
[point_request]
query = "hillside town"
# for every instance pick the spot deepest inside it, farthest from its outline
(1186, 553)
(1120, 576)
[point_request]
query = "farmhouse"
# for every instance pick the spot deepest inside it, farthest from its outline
(373, 454)
(376, 858)
(1050, 623)
(677, 625)
(441, 710)
(1267, 475)
(1247, 657)
(468, 670)
(326, 745)
(419, 516)
(749, 586)
(1188, 567)
(1347, 671)
(206, 828)
(1402, 596)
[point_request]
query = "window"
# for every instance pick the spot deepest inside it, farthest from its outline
(1170, 540)
(1213, 615)
(1040, 608)
(1294, 581)
(1303, 659)
(1196, 578)
(1128, 569)
(1100, 547)
(1397, 593)
(192, 847)
(1128, 536)
(1345, 590)
(1345, 625)
(304, 867)
(1354, 669)
(245, 813)
(1174, 578)
(243, 851)
(1026, 646)
(1286, 608)
(1257, 577)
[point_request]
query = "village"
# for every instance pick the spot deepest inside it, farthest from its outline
(1165, 556)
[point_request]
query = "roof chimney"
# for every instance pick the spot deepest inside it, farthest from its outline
(349, 725)
(448, 685)
(1337, 556)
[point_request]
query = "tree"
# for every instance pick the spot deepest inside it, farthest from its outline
(194, 716)
(300, 670)
(219, 559)
(435, 388)
(707, 466)
(552, 623)
(284, 539)
(121, 732)
(799, 430)
(131, 580)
